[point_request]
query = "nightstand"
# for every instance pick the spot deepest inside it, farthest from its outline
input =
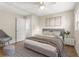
(69, 41)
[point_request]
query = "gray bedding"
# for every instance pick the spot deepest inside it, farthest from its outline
(42, 48)
(51, 40)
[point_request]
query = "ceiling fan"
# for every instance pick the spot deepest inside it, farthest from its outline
(44, 4)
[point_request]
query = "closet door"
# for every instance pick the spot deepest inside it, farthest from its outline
(21, 29)
(28, 27)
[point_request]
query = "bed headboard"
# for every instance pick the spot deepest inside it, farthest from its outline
(53, 29)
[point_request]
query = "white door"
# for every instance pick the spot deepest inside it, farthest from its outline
(28, 27)
(21, 29)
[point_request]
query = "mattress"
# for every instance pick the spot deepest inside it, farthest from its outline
(42, 48)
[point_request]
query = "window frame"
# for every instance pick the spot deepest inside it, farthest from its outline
(77, 20)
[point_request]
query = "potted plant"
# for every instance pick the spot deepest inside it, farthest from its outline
(67, 33)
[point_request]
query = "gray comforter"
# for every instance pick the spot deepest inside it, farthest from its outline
(52, 40)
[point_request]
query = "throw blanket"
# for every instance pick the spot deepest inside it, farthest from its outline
(52, 40)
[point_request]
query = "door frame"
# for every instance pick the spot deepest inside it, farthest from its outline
(15, 29)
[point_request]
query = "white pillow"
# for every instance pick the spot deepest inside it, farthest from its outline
(56, 33)
(47, 33)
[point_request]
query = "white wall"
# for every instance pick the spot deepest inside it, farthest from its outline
(67, 20)
(76, 32)
(35, 24)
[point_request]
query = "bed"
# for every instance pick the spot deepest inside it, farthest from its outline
(49, 45)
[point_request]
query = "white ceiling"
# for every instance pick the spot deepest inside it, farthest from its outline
(29, 8)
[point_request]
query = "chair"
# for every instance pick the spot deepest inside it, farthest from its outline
(4, 38)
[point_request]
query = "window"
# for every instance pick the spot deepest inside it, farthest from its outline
(53, 21)
(58, 21)
(47, 22)
(77, 21)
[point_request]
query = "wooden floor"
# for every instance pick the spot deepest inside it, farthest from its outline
(1, 52)
(69, 50)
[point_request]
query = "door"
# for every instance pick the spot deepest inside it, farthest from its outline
(21, 29)
(28, 26)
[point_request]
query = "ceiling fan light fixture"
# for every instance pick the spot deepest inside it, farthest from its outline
(42, 7)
